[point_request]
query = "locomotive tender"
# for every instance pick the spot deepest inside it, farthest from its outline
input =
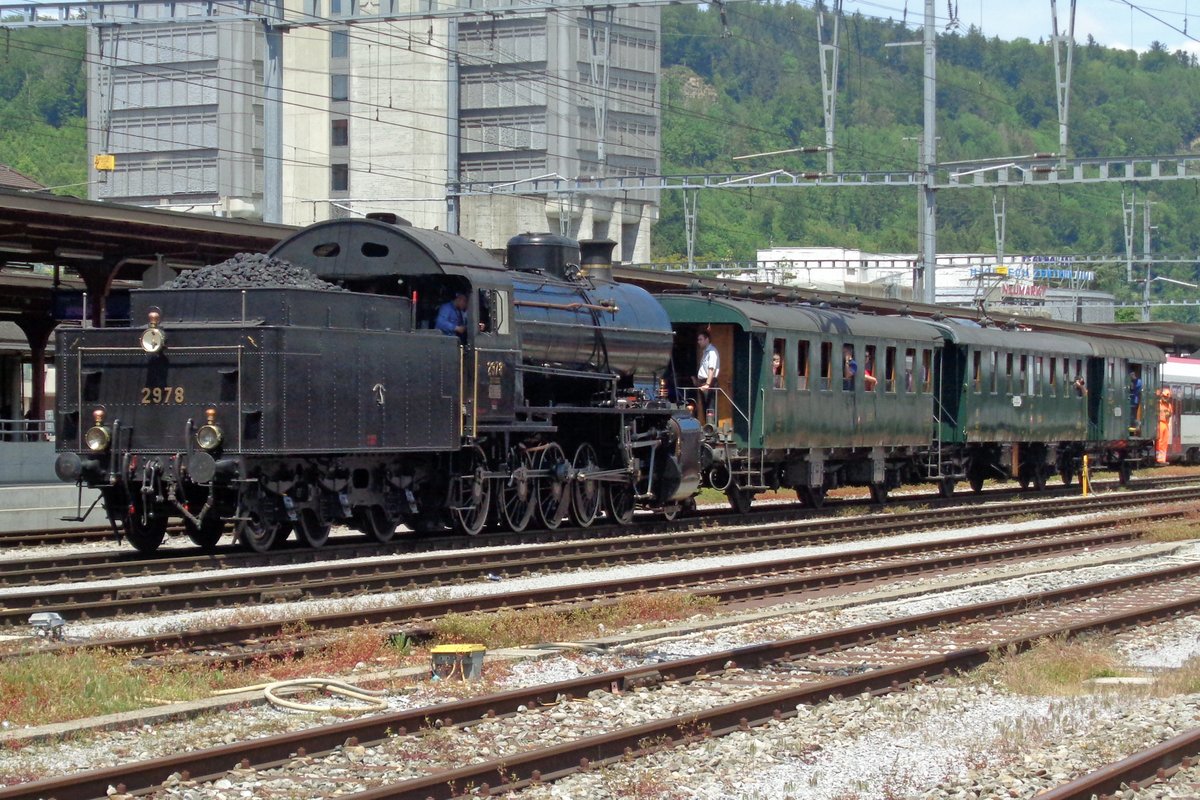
(280, 409)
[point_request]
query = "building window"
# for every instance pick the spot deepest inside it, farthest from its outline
(339, 87)
(339, 178)
(340, 135)
(339, 44)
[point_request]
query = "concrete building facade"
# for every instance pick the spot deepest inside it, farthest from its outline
(385, 116)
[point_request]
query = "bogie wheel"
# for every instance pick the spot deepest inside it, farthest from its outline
(1039, 477)
(256, 532)
(207, 533)
(976, 480)
(518, 495)
(946, 487)
(471, 497)
(739, 499)
(145, 536)
(1125, 472)
(553, 495)
(812, 496)
(879, 493)
(1067, 473)
(621, 502)
(671, 511)
(375, 522)
(586, 495)
(1023, 478)
(311, 530)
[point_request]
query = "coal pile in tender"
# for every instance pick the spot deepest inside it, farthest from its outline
(251, 271)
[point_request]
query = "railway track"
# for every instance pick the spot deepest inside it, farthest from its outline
(1138, 771)
(726, 584)
(19, 539)
(93, 567)
(886, 656)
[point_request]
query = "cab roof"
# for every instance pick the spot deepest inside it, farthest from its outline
(357, 249)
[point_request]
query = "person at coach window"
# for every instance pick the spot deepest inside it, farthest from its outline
(849, 367)
(777, 370)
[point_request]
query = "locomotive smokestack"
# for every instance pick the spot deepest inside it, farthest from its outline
(596, 258)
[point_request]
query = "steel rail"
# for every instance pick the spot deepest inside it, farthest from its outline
(1142, 769)
(255, 635)
(405, 572)
(273, 750)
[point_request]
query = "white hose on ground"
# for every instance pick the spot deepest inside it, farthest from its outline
(272, 691)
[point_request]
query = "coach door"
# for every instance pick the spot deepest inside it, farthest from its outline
(1096, 389)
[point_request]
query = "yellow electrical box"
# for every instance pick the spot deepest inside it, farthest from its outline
(463, 661)
(104, 162)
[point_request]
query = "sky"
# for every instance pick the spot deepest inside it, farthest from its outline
(1113, 23)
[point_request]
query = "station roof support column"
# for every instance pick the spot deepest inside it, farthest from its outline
(37, 329)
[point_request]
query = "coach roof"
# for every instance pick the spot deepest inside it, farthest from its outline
(759, 316)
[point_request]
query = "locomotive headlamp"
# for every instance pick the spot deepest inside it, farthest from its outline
(97, 437)
(209, 435)
(153, 338)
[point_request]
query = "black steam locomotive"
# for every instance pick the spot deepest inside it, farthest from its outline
(277, 409)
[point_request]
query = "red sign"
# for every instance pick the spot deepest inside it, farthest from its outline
(1022, 290)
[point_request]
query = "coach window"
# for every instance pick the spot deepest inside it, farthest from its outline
(869, 368)
(1008, 373)
(802, 365)
(1039, 365)
(926, 371)
(910, 366)
(778, 360)
(826, 365)
(994, 357)
(889, 370)
(976, 372)
(1024, 379)
(1053, 377)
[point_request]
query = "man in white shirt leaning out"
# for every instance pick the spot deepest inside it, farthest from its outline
(707, 374)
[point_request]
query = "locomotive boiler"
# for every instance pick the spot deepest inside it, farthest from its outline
(276, 407)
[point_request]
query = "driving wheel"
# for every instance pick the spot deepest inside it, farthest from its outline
(471, 497)
(586, 494)
(517, 493)
(553, 496)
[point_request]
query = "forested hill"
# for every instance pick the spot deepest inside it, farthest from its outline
(43, 90)
(756, 87)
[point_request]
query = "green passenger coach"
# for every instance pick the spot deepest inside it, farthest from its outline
(1027, 405)
(808, 398)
